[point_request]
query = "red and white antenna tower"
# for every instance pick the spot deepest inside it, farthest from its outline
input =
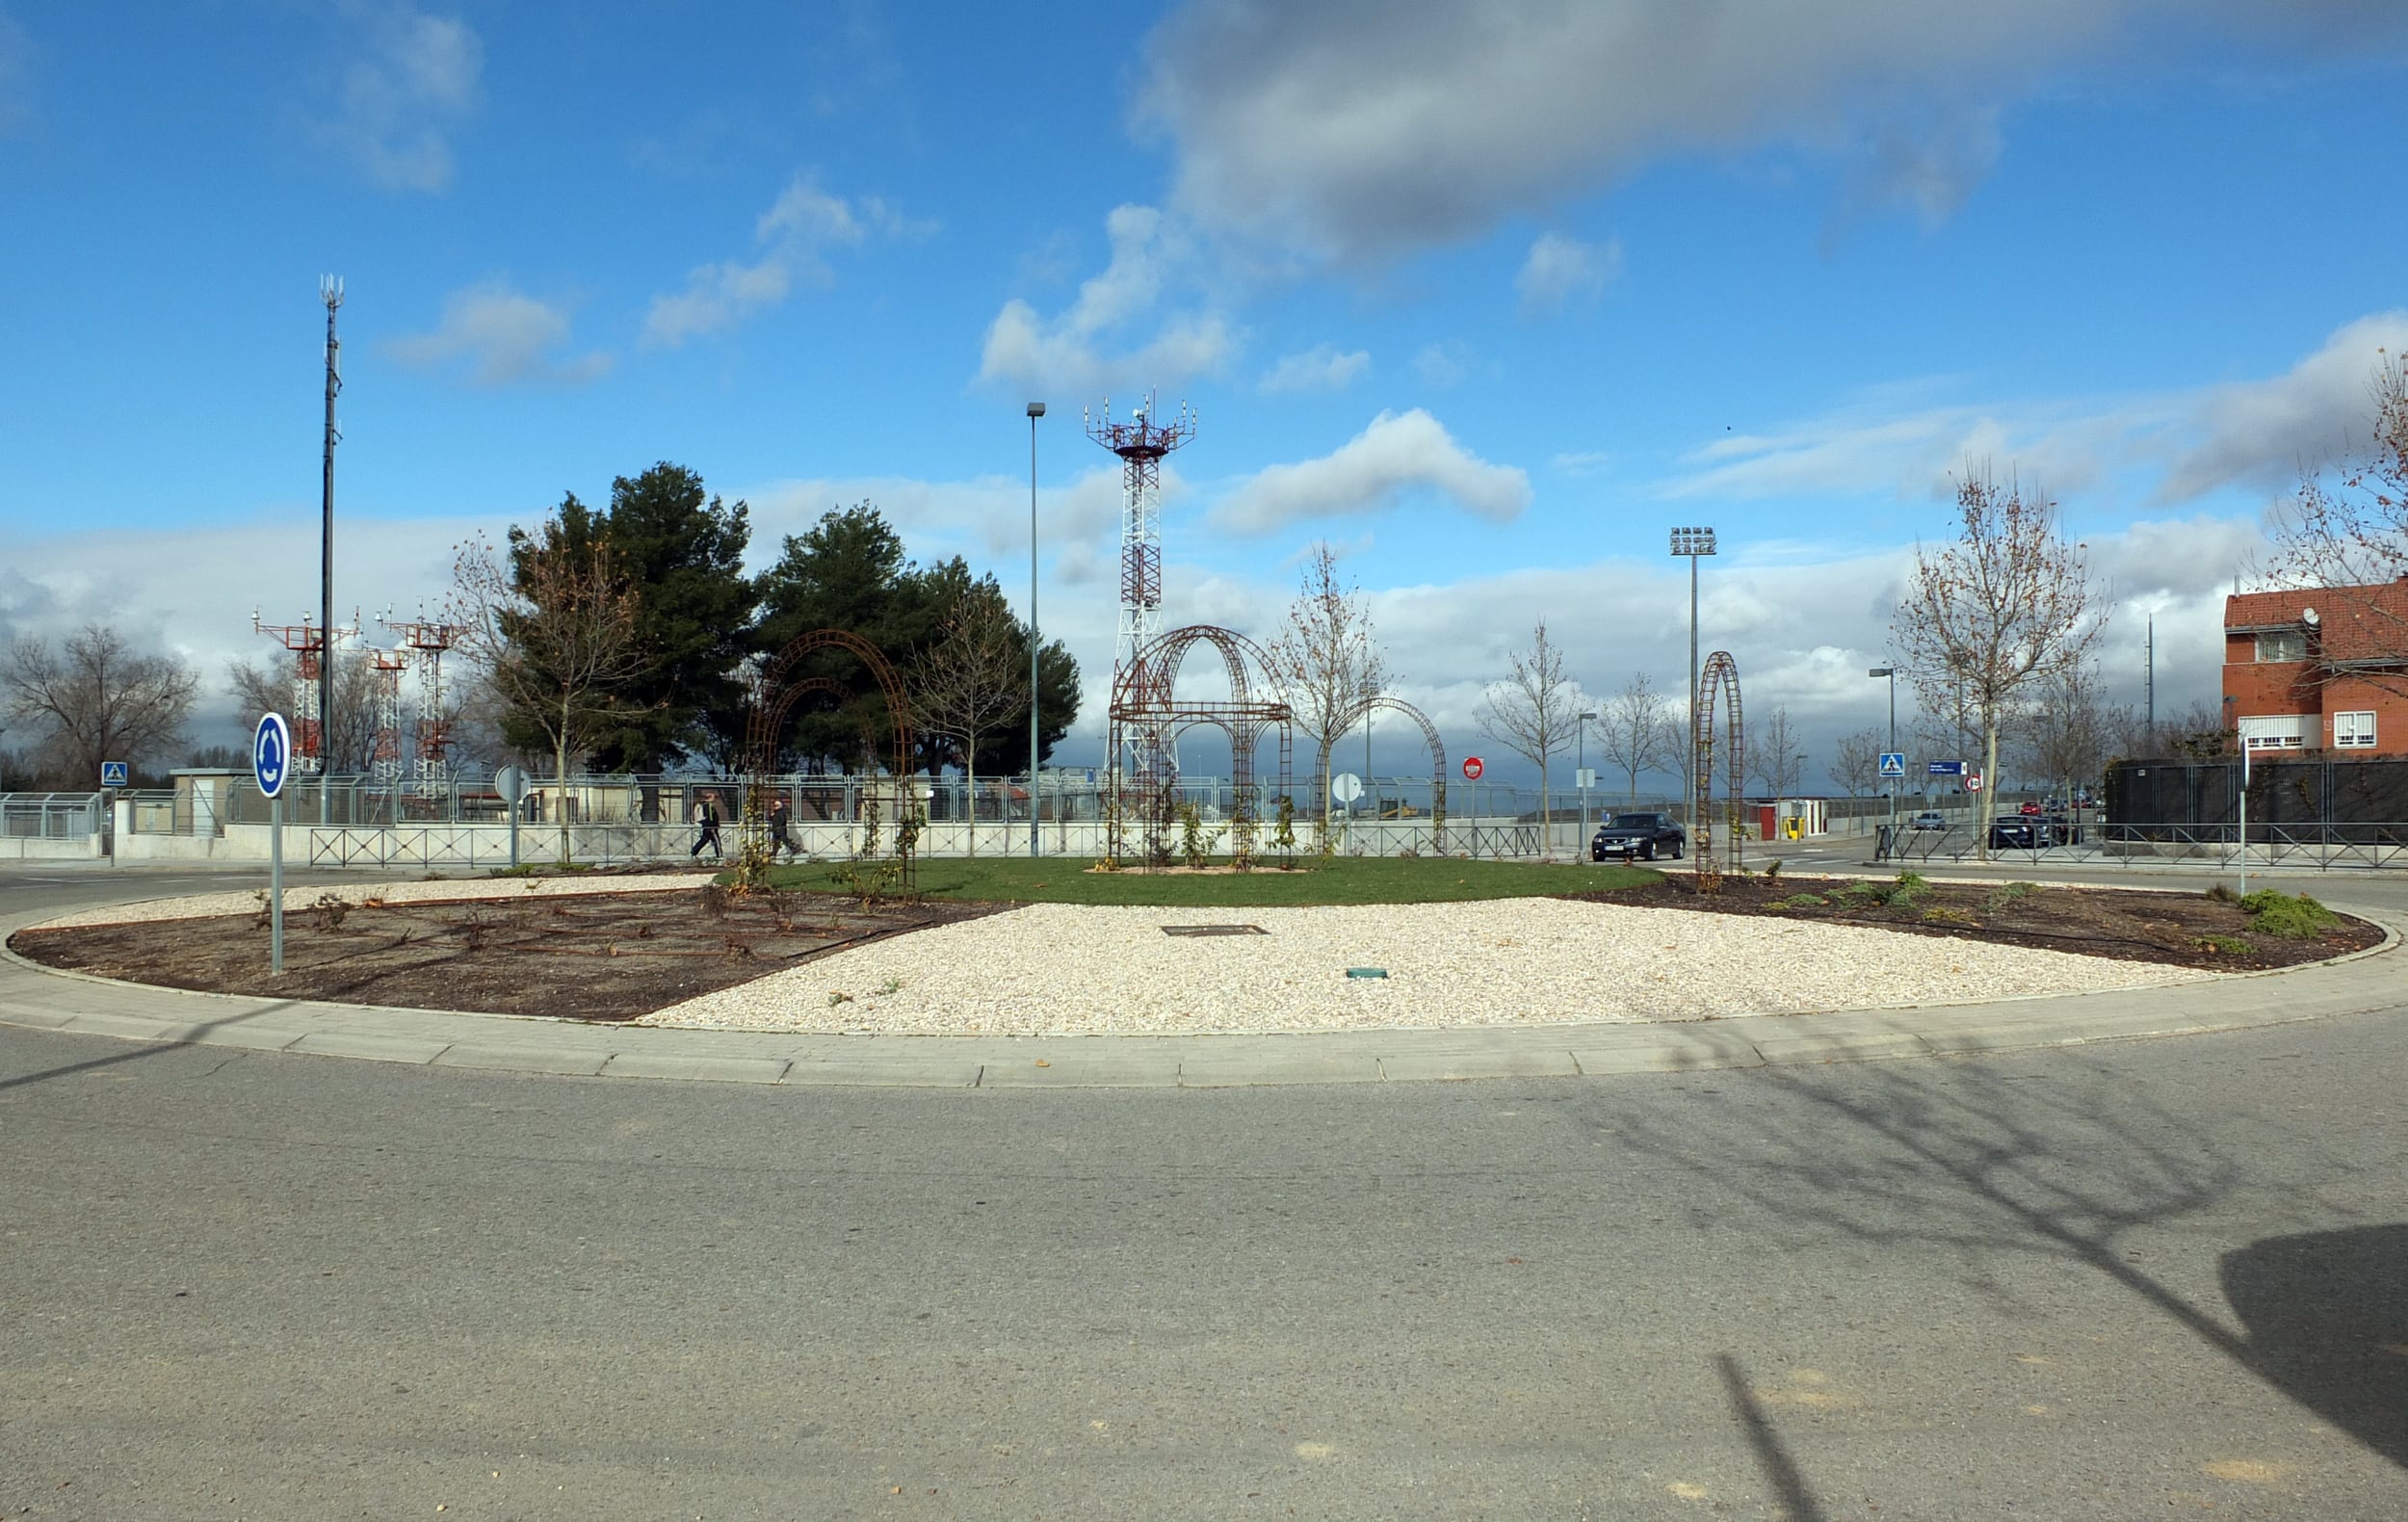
(308, 643)
(426, 640)
(384, 673)
(1140, 442)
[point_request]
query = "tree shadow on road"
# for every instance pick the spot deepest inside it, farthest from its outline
(2327, 1314)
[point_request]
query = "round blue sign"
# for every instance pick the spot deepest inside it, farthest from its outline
(271, 754)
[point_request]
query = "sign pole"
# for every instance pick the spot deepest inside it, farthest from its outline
(275, 885)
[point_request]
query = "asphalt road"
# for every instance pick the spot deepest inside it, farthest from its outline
(2137, 1279)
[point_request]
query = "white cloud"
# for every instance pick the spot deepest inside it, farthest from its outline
(1582, 462)
(1320, 368)
(1563, 274)
(2253, 434)
(1361, 129)
(504, 335)
(1067, 354)
(1395, 455)
(1444, 365)
(794, 237)
(398, 104)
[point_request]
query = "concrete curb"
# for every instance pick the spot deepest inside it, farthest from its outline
(40, 998)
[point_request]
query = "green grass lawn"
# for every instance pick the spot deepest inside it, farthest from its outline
(1337, 879)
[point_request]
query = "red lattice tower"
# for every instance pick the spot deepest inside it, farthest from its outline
(384, 677)
(428, 639)
(308, 643)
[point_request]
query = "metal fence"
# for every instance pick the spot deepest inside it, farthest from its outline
(53, 816)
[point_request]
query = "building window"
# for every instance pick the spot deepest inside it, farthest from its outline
(2352, 731)
(2283, 644)
(2276, 731)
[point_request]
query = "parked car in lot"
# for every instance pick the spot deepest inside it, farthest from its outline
(1645, 836)
(1928, 818)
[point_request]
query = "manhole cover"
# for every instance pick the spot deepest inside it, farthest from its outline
(1214, 930)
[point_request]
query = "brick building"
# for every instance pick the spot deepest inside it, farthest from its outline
(2296, 666)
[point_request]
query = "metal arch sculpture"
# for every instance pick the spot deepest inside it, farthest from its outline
(776, 699)
(1437, 765)
(1721, 678)
(1146, 715)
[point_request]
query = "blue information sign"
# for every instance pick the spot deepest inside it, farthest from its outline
(271, 753)
(1947, 769)
(1893, 763)
(111, 774)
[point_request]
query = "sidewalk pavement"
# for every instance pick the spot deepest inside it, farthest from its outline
(33, 996)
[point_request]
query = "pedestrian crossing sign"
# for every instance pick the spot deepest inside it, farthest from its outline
(1893, 763)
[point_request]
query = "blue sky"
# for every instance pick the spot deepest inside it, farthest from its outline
(1488, 297)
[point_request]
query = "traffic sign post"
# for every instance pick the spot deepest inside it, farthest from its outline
(111, 774)
(1472, 769)
(511, 783)
(1893, 763)
(1972, 781)
(270, 763)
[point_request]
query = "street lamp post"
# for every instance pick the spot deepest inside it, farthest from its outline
(1036, 409)
(1692, 543)
(1889, 784)
(1581, 763)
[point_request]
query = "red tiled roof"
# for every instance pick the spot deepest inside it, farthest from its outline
(2354, 624)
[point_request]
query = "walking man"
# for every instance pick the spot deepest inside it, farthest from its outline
(706, 818)
(778, 838)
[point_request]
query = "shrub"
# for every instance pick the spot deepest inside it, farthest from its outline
(1942, 914)
(1772, 873)
(2291, 919)
(2223, 893)
(1908, 887)
(2222, 945)
(2006, 893)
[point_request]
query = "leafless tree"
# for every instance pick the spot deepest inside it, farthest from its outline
(1533, 714)
(2349, 539)
(2008, 607)
(973, 680)
(1635, 730)
(2199, 732)
(1776, 755)
(2062, 736)
(1326, 659)
(1856, 763)
(551, 635)
(95, 700)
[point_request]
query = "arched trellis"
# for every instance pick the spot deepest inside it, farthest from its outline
(1148, 713)
(1720, 680)
(1437, 766)
(779, 692)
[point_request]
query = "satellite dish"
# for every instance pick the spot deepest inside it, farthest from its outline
(2308, 616)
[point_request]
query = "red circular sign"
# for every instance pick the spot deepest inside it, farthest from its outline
(1471, 769)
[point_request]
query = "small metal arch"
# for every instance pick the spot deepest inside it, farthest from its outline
(1720, 680)
(1437, 765)
(778, 696)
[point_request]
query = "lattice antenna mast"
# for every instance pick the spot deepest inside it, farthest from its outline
(384, 675)
(308, 643)
(426, 640)
(1140, 442)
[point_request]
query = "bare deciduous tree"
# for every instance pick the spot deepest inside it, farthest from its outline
(2008, 607)
(2350, 538)
(551, 635)
(1533, 714)
(259, 689)
(1326, 659)
(95, 700)
(1635, 730)
(973, 680)
(1776, 755)
(2061, 736)
(1856, 763)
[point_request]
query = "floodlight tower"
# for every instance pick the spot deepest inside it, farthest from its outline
(426, 640)
(1140, 442)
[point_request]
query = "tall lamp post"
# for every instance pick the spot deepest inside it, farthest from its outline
(1036, 409)
(1889, 784)
(1692, 543)
(1587, 716)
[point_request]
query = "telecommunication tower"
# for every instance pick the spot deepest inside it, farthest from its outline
(384, 675)
(308, 643)
(1140, 442)
(428, 639)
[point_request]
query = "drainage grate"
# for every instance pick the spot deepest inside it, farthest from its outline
(1214, 930)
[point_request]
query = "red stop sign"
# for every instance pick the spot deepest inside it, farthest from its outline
(1471, 769)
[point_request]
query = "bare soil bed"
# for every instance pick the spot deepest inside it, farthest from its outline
(603, 956)
(2181, 929)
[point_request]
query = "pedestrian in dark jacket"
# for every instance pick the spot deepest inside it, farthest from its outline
(706, 818)
(779, 840)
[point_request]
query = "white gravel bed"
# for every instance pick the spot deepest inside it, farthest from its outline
(1053, 969)
(207, 905)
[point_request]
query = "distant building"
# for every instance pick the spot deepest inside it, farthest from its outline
(2297, 664)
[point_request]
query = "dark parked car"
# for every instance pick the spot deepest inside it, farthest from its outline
(2021, 832)
(1645, 836)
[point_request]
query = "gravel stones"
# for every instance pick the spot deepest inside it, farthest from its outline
(1053, 969)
